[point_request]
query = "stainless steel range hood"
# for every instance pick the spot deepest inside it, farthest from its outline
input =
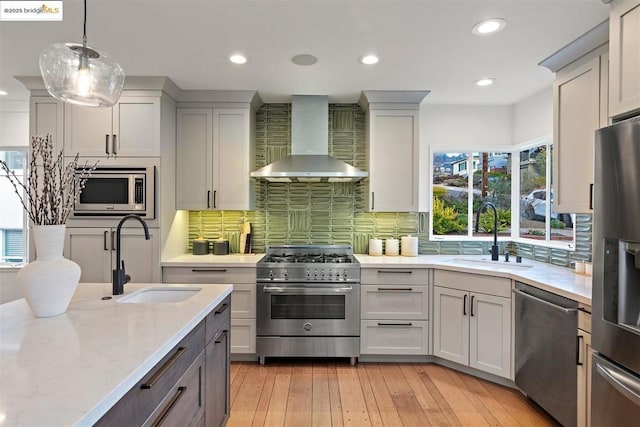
(309, 160)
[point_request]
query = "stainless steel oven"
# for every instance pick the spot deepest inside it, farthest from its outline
(308, 302)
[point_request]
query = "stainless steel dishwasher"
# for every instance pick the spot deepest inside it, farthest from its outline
(546, 347)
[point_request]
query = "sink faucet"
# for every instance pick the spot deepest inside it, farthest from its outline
(494, 248)
(119, 275)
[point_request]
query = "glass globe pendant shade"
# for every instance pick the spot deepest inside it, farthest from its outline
(81, 75)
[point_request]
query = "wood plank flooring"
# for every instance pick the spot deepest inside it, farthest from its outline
(319, 394)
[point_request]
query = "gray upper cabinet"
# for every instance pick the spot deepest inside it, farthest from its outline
(624, 41)
(215, 155)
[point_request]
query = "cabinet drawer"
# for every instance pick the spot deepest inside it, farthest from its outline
(394, 337)
(395, 276)
(184, 405)
(395, 302)
(218, 275)
(243, 336)
(243, 301)
(584, 317)
(218, 318)
(498, 286)
(136, 406)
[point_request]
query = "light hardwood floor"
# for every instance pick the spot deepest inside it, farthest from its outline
(322, 394)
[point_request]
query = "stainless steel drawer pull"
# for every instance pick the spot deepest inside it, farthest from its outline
(156, 377)
(221, 309)
(395, 324)
(625, 385)
(220, 337)
(167, 410)
(209, 270)
(540, 300)
(394, 271)
(395, 289)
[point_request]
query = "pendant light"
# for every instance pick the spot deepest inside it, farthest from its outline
(81, 75)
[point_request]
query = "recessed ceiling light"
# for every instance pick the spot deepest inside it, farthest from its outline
(485, 82)
(3, 93)
(238, 59)
(304, 59)
(488, 26)
(369, 59)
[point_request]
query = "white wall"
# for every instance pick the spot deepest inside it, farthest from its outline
(14, 123)
(533, 117)
(466, 126)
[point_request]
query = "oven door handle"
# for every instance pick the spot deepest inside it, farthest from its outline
(308, 291)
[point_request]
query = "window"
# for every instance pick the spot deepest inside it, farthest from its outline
(538, 219)
(13, 218)
(463, 181)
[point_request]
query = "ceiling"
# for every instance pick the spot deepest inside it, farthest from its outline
(423, 44)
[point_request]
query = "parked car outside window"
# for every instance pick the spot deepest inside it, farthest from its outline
(534, 206)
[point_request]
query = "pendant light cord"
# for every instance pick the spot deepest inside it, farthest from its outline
(84, 25)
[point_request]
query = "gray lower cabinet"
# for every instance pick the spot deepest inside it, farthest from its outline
(188, 387)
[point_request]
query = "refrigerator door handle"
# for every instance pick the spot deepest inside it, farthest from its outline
(625, 385)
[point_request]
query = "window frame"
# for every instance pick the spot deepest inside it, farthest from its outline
(514, 150)
(25, 215)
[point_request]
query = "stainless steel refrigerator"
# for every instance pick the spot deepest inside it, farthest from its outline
(615, 386)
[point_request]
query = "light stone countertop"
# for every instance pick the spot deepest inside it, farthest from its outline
(231, 260)
(560, 280)
(71, 369)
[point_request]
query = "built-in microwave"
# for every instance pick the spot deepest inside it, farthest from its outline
(116, 191)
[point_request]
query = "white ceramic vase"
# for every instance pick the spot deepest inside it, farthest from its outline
(48, 283)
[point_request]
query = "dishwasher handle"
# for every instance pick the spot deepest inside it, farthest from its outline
(568, 311)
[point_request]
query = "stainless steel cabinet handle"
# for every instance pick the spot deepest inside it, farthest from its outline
(395, 271)
(114, 145)
(221, 309)
(464, 305)
(373, 200)
(209, 270)
(395, 324)
(174, 400)
(104, 241)
(106, 144)
(164, 368)
(395, 289)
(591, 196)
(626, 386)
(220, 337)
(540, 300)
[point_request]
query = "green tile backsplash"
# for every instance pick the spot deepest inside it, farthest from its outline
(289, 213)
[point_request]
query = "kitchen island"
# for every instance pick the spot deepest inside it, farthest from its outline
(71, 369)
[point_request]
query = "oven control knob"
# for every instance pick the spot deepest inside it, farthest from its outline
(308, 274)
(344, 276)
(285, 274)
(315, 274)
(271, 274)
(307, 327)
(337, 275)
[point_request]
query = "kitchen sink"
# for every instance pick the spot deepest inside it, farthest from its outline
(489, 263)
(159, 295)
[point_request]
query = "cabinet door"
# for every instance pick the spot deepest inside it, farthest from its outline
(136, 126)
(584, 379)
(88, 131)
(141, 256)
(90, 248)
(232, 155)
(243, 335)
(47, 117)
(490, 334)
(577, 115)
(393, 161)
(451, 324)
(624, 46)
(243, 301)
(217, 393)
(194, 158)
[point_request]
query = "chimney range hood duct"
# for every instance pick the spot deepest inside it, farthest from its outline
(309, 160)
